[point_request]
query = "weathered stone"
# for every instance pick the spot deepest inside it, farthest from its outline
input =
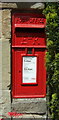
(0, 50)
(5, 103)
(6, 80)
(34, 105)
(8, 5)
(0, 64)
(1, 111)
(6, 23)
(29, 116)
(38, 6)
(0, 24)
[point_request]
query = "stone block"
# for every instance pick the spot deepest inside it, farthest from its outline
(30, 117)
(34, 105)
(5, 103)
(0, 64)
(0, 25)
(6, 23)
(8, 5)
(6, 71)
(38, 6)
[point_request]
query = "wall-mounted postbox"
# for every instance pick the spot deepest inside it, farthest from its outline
(28, 55)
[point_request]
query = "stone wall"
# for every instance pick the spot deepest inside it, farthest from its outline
(6, 56)
(31, 106)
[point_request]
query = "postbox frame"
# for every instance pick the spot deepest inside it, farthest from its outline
(14, 46)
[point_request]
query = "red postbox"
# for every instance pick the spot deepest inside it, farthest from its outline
(28, 55)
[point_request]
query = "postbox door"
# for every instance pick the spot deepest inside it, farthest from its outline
(33, 64)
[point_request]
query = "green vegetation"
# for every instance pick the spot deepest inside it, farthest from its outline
(52, 57)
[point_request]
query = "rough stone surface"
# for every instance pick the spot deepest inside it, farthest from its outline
(8, 5)
(1, 111)
(31, 117)
(6, 75)
(6, 23)
(5, 100)
(0, 53)
(0, 64)
(0, 24)
(37, 105)
(38, 6)
(5, 103)
(6, 56)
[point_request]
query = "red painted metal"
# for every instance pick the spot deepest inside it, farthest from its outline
(29, 20)
(28, 32)
(29, 39)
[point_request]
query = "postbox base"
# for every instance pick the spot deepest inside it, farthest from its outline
(33, 105)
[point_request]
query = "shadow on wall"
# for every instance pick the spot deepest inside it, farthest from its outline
(28, 5)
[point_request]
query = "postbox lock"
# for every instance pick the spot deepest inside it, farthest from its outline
(29, 51)
(19, 71)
